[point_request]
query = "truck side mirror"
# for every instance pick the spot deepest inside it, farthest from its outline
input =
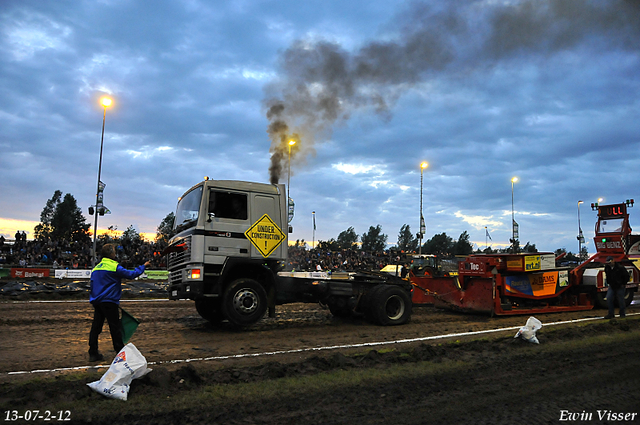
(210, 215)
(290, 229)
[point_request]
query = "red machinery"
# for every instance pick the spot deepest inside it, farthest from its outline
(508, 284)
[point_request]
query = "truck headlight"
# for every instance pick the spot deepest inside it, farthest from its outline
(194, 274)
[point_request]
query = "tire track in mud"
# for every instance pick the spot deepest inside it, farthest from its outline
(53, 335)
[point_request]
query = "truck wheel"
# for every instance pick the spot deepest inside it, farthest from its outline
(601, 300)
(244, 302)
(209, 309)
(390, 305)
(628, 297)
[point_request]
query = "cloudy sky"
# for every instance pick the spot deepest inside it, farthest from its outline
(545, 90)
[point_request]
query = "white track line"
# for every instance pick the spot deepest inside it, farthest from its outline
(311, 349)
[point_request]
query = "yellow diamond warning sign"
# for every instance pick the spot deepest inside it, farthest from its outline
(265, 235)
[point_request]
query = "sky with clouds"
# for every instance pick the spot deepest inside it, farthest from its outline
(484, 90)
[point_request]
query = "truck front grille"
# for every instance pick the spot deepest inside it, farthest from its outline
(177, 258)
(175, 277)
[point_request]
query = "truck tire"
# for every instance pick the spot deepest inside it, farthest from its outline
(390, 305)
(601, 300)
(628, 297)
(244, 302)
(366, 304)
(209, 309)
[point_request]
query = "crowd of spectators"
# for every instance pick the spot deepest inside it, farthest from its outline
(77, 255)
(72, 255)
(302, 259)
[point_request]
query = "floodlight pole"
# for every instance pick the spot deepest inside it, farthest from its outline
(96, 212)
(580, 237)
(423, 229)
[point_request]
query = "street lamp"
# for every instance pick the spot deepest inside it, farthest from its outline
(291, 143)
(580, 236)
(513, 219)
(423, 227)
(105, 102)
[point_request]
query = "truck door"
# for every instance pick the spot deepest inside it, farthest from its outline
(227, 220)
(265, 204)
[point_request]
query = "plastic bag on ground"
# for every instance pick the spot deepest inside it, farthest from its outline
(128, 365)
(528, 331)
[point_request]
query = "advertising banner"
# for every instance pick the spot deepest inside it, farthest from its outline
(73, 274)
(537, 284)
(514, 263)
(155, 274)
(21, 273)
(531, 263)
(547, 261)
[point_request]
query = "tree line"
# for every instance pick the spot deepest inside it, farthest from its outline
(62, 220)
(376, 241)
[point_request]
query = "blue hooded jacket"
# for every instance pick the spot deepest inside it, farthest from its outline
(106, 279)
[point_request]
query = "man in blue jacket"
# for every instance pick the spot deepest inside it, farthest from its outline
(106, 289)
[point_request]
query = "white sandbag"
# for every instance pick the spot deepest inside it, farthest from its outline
(528, 331)
(128, 365)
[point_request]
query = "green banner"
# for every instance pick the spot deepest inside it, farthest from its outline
(156, 274)
(4, 272)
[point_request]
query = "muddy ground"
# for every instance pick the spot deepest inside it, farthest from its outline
(579, 367)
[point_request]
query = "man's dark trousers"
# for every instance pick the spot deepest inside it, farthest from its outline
(110, 312)
(614, 295)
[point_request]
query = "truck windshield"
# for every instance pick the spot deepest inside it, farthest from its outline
(188, 208)
(610, 225)
(424, 262)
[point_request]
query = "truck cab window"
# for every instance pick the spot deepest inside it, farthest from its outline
(228, 205)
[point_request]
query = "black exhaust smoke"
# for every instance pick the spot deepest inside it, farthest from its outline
(321, 84)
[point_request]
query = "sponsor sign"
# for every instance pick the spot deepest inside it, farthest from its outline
(265, 235)
(73, 274)
(21, 273)
(470, 268)
(514, 263)
(607, 244)
(537, 284)
(547, 262)
(155, 274)
(563, 278)
(531, 263)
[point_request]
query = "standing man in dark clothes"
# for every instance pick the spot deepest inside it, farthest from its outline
(106, 289)
(617, 278)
